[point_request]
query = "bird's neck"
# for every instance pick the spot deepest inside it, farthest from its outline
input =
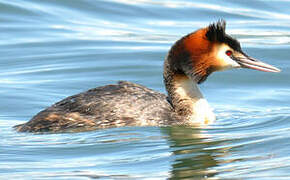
(186, 98)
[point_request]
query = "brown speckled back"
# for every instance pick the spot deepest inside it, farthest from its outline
(122, 104)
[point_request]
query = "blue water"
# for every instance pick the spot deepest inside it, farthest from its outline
(51, 49)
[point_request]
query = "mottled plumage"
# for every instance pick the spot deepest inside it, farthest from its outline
(122, 104)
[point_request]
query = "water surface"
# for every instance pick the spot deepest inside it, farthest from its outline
(51, 49)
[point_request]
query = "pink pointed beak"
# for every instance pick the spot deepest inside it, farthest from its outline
(251, 63)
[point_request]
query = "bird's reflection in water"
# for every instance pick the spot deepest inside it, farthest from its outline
(195, 154)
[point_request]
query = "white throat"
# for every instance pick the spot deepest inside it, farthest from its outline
(189, 95)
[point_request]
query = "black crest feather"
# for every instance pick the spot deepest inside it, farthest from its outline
(217, 33)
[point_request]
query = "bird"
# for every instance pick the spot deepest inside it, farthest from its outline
(188, 63)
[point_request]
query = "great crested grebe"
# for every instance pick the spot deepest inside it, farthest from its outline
(189, 62)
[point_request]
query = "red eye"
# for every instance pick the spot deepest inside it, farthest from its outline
(229, 53)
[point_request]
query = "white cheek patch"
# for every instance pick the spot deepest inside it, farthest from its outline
(226, 61)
